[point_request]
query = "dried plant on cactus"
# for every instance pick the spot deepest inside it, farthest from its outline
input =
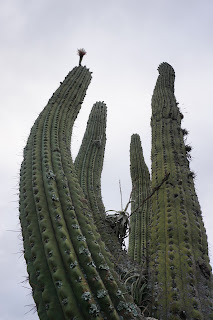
(81, 52)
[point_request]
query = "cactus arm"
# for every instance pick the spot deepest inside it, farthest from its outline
(42, 199)
(89, 161)
(95, 245)
(67, 258)
(89, 165)
(84, 218)
(140, 209)
(179, 286)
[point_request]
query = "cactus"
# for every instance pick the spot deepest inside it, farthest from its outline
(89, 161)
(179, 262)
(140, 209)
(71, 251)
(70, 271)
(89, 165)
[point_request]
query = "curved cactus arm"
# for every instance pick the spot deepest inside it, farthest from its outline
(67, 262)
(89, 161)
(140, 209)
(89, 165)
(178, 254)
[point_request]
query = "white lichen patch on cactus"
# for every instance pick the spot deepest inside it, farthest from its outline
(86, 296)
(101, 293)
(104, 267)
(129, 307)
(81, 238)
(83, 250)
(94, 309)
(75, 226)
(51, 175)
(92, 264)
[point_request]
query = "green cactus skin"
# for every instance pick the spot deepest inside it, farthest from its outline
(141, 189)
(69, 268)
(89, 161)
(89, 165)
(179, 262)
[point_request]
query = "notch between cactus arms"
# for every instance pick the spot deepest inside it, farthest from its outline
(119, 221)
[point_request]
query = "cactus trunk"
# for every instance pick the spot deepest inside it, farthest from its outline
(69, 269)
(181, 274)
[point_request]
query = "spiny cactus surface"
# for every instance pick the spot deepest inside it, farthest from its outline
(89, 161)
(65, 231)
(89, 165)
(140, 208)
(70, 271)
(181, 274)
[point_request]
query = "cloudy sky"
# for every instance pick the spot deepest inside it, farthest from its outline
(125, 41)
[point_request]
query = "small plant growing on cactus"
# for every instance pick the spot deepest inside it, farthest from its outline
(81, 52)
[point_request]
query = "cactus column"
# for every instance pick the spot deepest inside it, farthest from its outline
(89, 161)
(140, 209)
(89, 165)
(181, 274)
(69, 269)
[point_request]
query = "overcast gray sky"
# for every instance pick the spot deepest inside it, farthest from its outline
(126, 40)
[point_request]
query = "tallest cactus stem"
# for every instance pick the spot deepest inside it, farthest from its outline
(69, 269)
(43, 224)
(180, 270)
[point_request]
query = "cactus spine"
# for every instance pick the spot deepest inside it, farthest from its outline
(182, 280)
(69, 269)
(140, 209)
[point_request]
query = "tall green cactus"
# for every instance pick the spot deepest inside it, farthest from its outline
(65, 233)
(181, 274)
(140, 208)
(70, 271)
(89, 165)
(89, 161)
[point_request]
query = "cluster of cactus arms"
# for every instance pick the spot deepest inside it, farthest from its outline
(77, 267)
